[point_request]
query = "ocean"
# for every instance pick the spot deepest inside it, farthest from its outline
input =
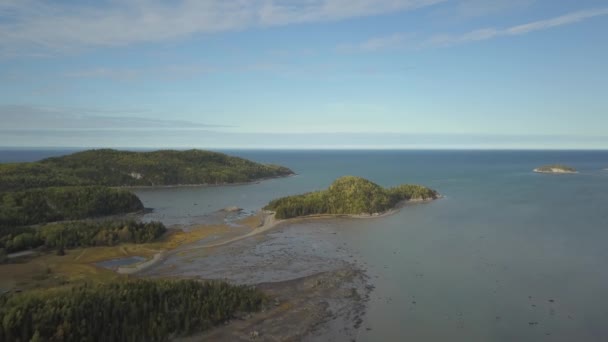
(507, 255)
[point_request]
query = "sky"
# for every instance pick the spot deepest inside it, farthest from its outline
(400, 74)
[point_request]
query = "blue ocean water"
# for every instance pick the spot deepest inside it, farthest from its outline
(507, 255)
(18, 155)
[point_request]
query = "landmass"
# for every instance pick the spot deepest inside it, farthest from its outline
(349, 195)
(132, 310)
(36, 206)
(319, 291)
(556, 169)
(39, 283)
(74, 234)
(107, 167)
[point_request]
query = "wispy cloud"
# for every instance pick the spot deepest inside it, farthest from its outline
(478, 8)
(570, 18)
(489, 33)
(39, 27)
(392, 41)
(107, 73)
(19, 117)
(403, 40)
(212, 139)
(166, 72)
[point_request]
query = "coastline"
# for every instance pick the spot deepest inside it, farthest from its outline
(268, 222)
(158, 257)
(201, 185)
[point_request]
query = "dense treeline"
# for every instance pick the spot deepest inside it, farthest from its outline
(79, 234)
(123, 168)
(348, 195)
(36, 206)
(140, 310)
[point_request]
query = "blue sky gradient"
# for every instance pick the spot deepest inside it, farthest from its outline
(304, 74)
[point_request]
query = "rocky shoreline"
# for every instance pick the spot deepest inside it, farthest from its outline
(555, 169)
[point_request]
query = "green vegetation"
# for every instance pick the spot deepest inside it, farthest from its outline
(555, 168)
(140, 310)
(79, 234)
(36, 206)
(348, 195)
(122, 168)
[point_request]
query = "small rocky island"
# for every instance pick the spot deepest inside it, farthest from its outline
(556, 169)
(350, 195)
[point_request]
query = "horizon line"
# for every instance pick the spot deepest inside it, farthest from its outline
(328, 148)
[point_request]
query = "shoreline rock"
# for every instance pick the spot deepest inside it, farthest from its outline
(555, 169)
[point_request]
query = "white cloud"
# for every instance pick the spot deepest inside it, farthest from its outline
(19, 117)
(570, 18)
(38, 27)
(489, 33)
(107, 73)
(167, 72)
(477, 35)
(392, 41)
(404, 40)
(479, 8)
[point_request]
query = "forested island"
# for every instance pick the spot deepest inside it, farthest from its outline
(115, 168)
(349, 195)
(140, 310)
(555, 168)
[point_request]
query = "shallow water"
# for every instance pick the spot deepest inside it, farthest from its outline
(116, 263)
(508, 255)
(285, 253)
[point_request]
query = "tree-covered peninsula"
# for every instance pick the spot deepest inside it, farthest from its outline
(349, 195)
(135, 310)
(109, 167)
(35, 206)
(73, 234)
(555, 168)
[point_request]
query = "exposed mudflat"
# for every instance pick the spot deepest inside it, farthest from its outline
(326, 306)
(318, 289)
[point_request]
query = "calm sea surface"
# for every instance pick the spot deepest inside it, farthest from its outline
(508, 255)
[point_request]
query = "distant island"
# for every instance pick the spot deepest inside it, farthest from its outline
(115, 168)
(349, 195)
(556, 168)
